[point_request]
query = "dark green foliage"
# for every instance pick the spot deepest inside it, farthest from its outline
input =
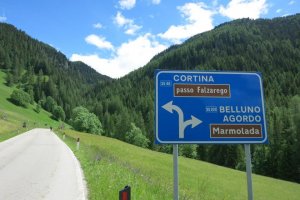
(201, 152)
(281, 157)
(20, 98)
(38, 108)
(136, 137)
(188, 150)
(49, 104)
(59, 113)
(83, 120)
(226, 155)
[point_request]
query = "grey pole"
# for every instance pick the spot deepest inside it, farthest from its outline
(249, 171)
(175, 171)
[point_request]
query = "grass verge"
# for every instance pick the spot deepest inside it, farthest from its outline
(106, 175)
(109, 165)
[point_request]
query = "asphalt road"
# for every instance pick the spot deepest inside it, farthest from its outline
(37, 165)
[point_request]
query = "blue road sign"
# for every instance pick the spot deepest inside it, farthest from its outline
(209, 107)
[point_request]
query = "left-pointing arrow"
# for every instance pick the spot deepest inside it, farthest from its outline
(170, 107)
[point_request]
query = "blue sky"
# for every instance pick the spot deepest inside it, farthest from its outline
(117, 36)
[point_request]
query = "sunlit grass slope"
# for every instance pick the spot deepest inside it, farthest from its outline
(110, 164)
(12, 117)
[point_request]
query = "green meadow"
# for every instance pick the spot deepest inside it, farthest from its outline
(110, 164)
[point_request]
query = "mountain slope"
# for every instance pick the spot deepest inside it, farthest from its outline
(269, 46)
(12, 117)
(43, 71)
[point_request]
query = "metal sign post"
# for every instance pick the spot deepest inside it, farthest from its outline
(249, 171)
(175, 171)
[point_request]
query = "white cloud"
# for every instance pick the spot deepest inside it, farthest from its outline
(244, 8)
(97, 26)
(292, 2)
(120, 20)
(128, 57)
(130, 27)
(198, 18)
(127, 4)
(278, 10)
(99, 42)
(3, 18)
(156, 2)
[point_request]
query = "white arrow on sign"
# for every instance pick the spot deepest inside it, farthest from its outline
(182, 124)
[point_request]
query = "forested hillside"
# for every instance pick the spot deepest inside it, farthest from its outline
(271, 47)
(43, 72)
(125, 106)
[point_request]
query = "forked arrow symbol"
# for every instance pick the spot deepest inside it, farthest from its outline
(182, 124)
